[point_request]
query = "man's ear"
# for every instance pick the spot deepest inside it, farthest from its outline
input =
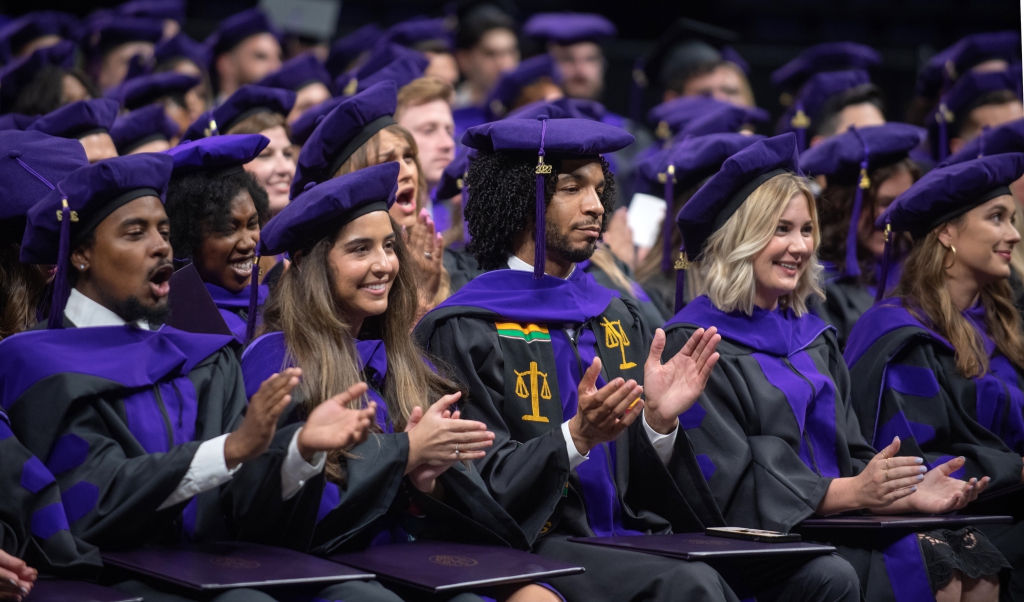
(81, 259)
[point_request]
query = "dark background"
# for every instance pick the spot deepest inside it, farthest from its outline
(905, 32)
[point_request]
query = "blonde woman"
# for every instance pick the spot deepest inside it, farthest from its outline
(775, 430)
(941, 363)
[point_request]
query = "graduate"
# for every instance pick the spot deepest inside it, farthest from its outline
(485, 47)
(343, 313)
(170, 12)
(977, 100)
(111, 41)
(38, 29)
(424, 107)
(168, 89)
(142, 428)
(305, 75)
(145, 130)
(865, 169)
(216, 210)
(555, 365)
(830, 103)
(432, 37)
(940, 363)
(349, 51)
(181, 54)
(88, 121)
(676, 173)
(44, 81)
(775, 431)
(574, 40)
(387, 62)
(361, 132)
(245, 48)
(536, 78)
(29, 170)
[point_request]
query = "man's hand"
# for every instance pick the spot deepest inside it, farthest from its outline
(260, 423)
(672, 388)
(603, 413)
(333, 425)
(16, 577)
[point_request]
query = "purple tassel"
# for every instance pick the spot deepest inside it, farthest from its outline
(60, 278)
(883, 277)
(540, 217)
(943, 133)
(636, 90)
(981, 141)
(852, 267)
(680, 289)
(254, 292)
(668, 223)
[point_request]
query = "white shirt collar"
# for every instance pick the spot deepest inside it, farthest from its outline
(86, 313)
(514, 263)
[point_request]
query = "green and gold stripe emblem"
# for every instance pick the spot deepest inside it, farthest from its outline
(523, 332)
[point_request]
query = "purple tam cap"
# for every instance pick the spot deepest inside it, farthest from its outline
(147, 89)
(684, 165)
(110, 31)
(563, 137)
(832, 56)
(245, 102)
(80, 202)
(1007, 138)
(31, 166)
(419, 30)
(965, 95)
(741, 174)
(142, 126)
(16, 121)
(14, 36)
(819, 89)
(384, 55)
(401, 71)
(320, 211)
(949, 64)
(671, 116)
(568, 28)
(303, 127)
(950, 191)
(848, 157)
(78, 119)
(182, 47)
(236, 28)
(297, 73)
(728, 119)
(346, 50)
(453, 178)
(18, 74)
(510, 85)
(343, 131)
(562, 108)
(218, 153)
(173, 10)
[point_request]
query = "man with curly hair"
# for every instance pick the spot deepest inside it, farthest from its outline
(570, 379)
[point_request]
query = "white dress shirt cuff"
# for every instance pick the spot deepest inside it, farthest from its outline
(663, 444)
(295, 471)
(207, 471)
(575, 457)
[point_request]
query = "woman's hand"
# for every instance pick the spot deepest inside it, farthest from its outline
(885, 480)
(438, 439)
(333, 425)
(939, 493)
(426, 250)
(16, 577)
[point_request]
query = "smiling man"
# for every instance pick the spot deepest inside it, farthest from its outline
(143, 429)
(570, 379)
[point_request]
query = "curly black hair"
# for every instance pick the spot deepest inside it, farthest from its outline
(200, 203)
(502, 197)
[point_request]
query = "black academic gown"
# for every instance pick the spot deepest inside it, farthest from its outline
(775, 425)
(462, 267)
(905, 383)
(119, 412)
(647, 304)
(503, 335)
(845, 302)
(376, 504)
(33, 524)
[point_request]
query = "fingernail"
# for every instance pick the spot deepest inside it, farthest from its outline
(919, 460)
(920, 477)
(922, 469)
(913, 489)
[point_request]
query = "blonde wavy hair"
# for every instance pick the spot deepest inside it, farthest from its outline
(725, 270)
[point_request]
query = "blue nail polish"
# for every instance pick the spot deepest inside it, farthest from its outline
(919, 460)
(920, 477)
(913, 489)
(922, 469)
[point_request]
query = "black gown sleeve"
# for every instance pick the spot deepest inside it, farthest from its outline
(526, 478)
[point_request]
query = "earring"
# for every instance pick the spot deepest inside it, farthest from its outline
(952, 248)
(81, 266)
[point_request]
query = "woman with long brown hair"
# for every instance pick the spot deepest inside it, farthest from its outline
(342, 312)
(940, 364)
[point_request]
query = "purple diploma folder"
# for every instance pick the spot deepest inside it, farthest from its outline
(215, 566)
(76, 591)
(192, 307)
(439, 566)
(698, 546)
(913, 522)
